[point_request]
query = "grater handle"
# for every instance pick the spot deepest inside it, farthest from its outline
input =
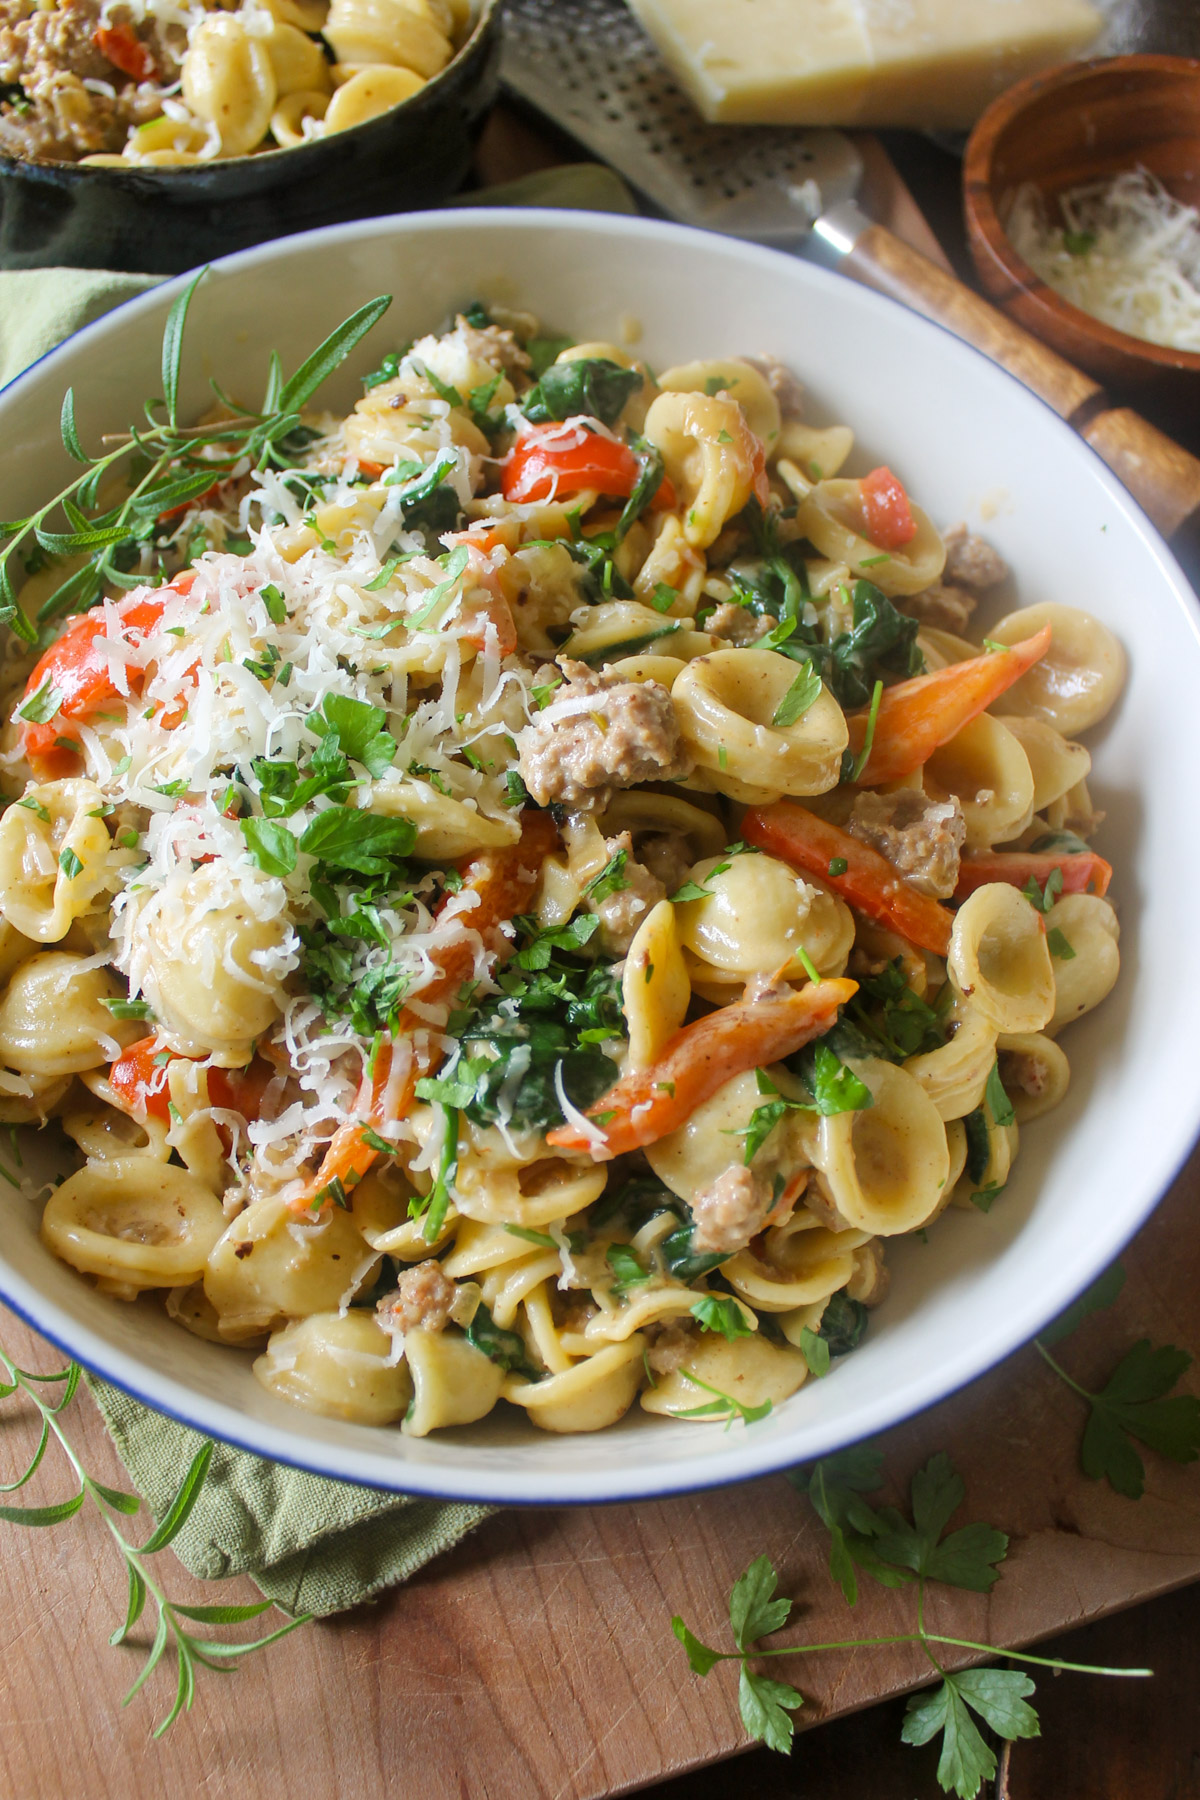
(1160, 474)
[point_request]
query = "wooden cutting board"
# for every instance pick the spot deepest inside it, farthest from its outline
(536, 1661)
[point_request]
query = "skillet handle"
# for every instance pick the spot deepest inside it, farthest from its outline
(1163, 477)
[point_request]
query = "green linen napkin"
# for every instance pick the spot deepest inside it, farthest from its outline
(309, 1544)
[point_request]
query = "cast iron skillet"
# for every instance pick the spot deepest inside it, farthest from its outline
(165, 220)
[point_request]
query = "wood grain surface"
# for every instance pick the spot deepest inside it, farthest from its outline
(537, 1659)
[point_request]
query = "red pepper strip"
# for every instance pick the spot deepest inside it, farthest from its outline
(888, 515)
(139, 1080)
(118, 45)
(79, 674)
(535, 469)
(917, 717)
(1083, 872)
(650, 1103)
(868, 881)
(504, 881)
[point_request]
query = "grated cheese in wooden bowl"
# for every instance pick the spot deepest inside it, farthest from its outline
(1127, 252)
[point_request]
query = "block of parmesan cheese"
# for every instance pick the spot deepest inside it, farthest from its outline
(924, 63)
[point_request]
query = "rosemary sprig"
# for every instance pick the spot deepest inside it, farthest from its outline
(190, 1649)
(169, 465)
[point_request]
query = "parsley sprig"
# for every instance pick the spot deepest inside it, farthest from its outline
(897, 1551)
(1134, 1405)
(173, 1618)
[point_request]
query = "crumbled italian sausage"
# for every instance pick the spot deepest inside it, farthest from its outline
(871, 1278)
(971, 560)
(622, 911)
(731, 1211)
(493, 344)
(782, 383)
(422, 1298)
(944, 607)
(738, 625)
(597, 735)
(922, 838)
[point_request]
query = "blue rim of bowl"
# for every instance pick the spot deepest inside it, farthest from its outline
(697, 1472)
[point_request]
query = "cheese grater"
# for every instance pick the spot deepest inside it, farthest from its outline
(589, 66)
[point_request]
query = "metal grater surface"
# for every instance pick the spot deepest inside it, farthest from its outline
(589, 66)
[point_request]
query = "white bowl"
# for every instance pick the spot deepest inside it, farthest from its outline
(970, 443)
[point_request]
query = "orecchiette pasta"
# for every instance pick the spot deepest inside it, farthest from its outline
(54, 858)
(1077, 682)
(259, 78)
(338, 1364)
(134, 1223)
(999, 959)
(453, 905)
(728, 704)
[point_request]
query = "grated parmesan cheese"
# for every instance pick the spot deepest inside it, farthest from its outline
(1127, 253)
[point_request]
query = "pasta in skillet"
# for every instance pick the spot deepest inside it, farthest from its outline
(522, 893)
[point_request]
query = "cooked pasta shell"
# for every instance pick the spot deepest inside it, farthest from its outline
(53, 1020)
(102, 1133)
(269, 1266)
(1056, 764)
(539, 1194)
(619, 628)
(727, 704)
(655, 986)
(292, 113)
(750, 1370)
(589, 1396)
(1089, 926)
(31, 1099)
(760, 915)
(453, 1383)
(192, 1308)
(340, 1365)
(740, 380)
(1002, 1148)
(886, 1166)
(1034, 1071)
(209, 952)
(447, 829)
(134, 1222)
(711, 456)
(999, 959)
(386, 31)
(955, 1075)
(985, 768)
(818, 450)
(297, 60)
(641, 811)
(832, 519)
(54, 855)
(802, 1267)
(368, 93)
(690, 1159)
(1078, 680)
(228, 80)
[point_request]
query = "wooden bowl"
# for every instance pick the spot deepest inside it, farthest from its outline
(1070, 125)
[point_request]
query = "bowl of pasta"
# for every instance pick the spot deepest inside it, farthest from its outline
(548, 865)
(143, 138)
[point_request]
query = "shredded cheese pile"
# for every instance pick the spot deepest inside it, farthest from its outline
(1126, 252)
